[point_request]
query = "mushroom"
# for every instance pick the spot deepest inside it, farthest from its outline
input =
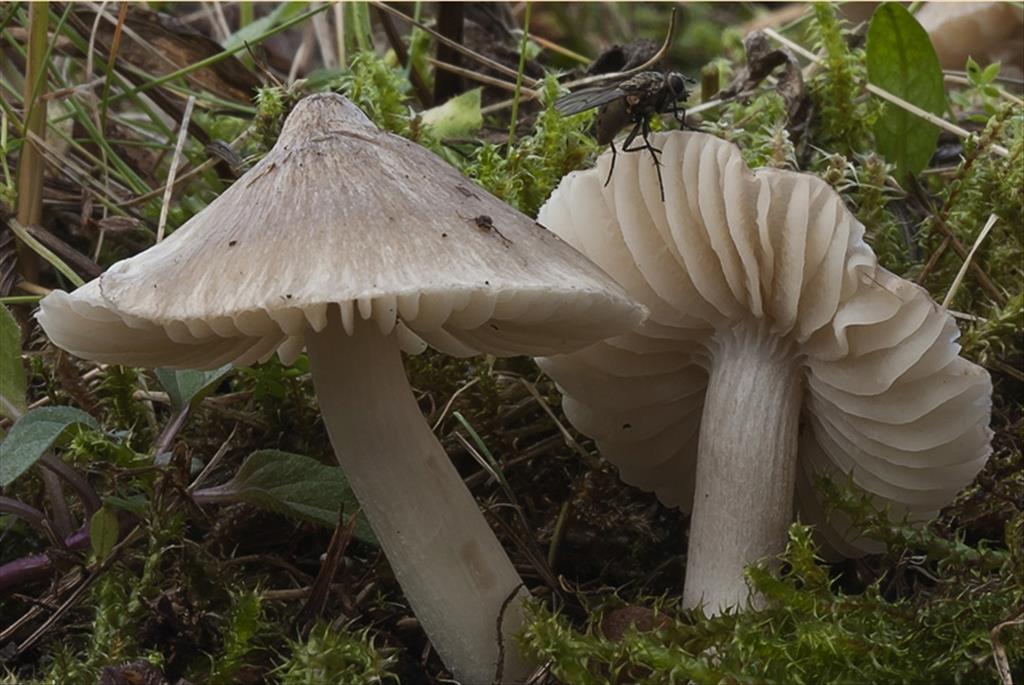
(354, 243)
(776, 351)
(985, 31)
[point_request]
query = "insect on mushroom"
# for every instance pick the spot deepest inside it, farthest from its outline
(632, 101)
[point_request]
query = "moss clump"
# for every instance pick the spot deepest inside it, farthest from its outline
(812, 632)
(379, 90)
(844, 115)
(758, 128)
(525, 174)
(245, 623)
(335, 656)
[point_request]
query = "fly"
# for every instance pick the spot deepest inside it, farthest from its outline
(632, 101)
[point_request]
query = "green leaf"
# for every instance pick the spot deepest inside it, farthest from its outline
(459, 116)
(103, 531)
(252, 32)
(135, 504)
(901, 60)
(12, 373)
(185, 386)
(33, 434)
(991, 72)
(291, 484)
(973, 71)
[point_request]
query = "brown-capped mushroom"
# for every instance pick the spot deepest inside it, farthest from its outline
(352, 243)
(767, 312)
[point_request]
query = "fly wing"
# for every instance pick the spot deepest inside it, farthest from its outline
(587, 98)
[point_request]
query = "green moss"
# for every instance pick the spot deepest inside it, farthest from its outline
(379, 90)
(810, 631)
(245, 622)
(758, 127)
(335, 656)
(844, 115)
(525, 175)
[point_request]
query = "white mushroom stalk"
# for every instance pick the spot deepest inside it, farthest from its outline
(746, 462)
(437, 541)
(355, 243)
(777, 351)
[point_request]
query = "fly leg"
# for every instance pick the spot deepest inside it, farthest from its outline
(612, 167)
(638, 127)
(643, 129)
(679, 114)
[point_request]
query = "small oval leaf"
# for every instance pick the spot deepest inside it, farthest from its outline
(103, 530)
(183, 386)
(33, 434)
(902, 61)
(291, 484)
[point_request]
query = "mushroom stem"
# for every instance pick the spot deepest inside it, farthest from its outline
(746, 463)
(444, 555)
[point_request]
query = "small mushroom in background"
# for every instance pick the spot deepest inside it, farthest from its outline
(986, 31)
(353, 243)
(776, 350)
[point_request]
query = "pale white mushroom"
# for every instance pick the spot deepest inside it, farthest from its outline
(776, 350)
(353, 243)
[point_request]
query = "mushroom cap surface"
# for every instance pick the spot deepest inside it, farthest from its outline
(342, 213)
(887, 400)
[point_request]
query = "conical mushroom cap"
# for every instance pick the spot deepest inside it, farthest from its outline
(342, 213)
(887, 399)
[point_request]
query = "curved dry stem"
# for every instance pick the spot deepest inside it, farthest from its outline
(746, 464)
(451, 567)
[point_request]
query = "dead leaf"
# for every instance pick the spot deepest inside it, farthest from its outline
(762, 60)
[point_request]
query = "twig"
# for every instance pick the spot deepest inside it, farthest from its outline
(323, 39)
(172, 172)
(950, 240)
(517, 91)
(184, 177)
(498, 66)
(301, 56)
(556, 535)
(451, 401)
(338, 9)
(423, 93)
(81, 263)
(614, 76)
(321, 588)
(34, 288)
(587, 80)
(554, 47)
(967, 260)
(886, 95)
(566, 435)
(44, 252)
(214, 461)
(79, 591)
(500, 667)
(1014, 373)
(964, 81)
(999, 652)
(449, 22)
(30, 162)
(66, 164)
(476, 76)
